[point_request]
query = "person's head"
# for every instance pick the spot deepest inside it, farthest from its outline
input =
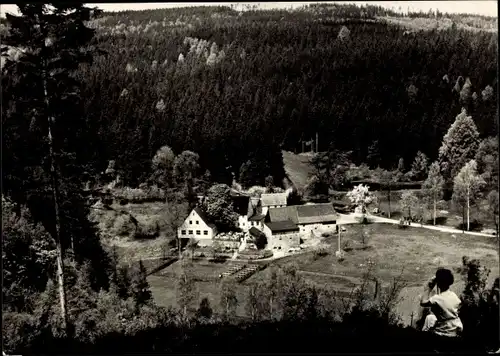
(444, 279)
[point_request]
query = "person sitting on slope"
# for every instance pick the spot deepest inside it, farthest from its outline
(444, 305)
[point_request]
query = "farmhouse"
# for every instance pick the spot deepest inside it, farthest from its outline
(308, 218)
(282, 235)
(197, 226)
(315, 217)
(273, 200)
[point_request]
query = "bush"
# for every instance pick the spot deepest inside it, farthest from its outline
(147, 232)
(347, 245)
(139, 195)
(322, 252)
(123, 226)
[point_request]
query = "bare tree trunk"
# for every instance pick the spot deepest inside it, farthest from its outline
(434, 214)
(271, 307)
(468, 210)
(55, 191)
(389, 201)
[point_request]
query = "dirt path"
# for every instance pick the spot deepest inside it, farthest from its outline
(353, 219)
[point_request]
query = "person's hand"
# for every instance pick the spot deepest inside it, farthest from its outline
(431, 284)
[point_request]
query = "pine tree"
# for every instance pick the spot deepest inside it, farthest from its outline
(54, 41)
(433, 188)
(204, 310)
(459, 145)
(140, 286)
(419, 167)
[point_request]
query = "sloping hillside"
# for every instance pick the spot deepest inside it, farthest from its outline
(297, 167)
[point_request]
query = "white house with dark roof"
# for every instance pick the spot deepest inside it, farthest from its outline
(197, 226)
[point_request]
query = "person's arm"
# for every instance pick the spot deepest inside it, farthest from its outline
(425, 299)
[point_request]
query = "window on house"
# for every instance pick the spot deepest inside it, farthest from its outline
(205, 232)
(190, 232)
(198, 232)
(197, 222)
(190, 222)
(183, 232)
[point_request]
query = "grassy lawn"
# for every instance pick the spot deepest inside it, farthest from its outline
(207, 284)
(416, 253)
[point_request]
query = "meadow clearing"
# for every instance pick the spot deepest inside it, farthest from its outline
(411, 254)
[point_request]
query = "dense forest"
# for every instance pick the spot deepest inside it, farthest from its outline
(234, 86)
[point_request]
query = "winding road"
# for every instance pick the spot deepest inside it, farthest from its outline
(353, 219)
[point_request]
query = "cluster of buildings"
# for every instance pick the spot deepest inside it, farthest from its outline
(283, 226)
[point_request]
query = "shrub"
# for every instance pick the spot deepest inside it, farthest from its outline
(347, 245)
(122, 225)
(150, 231)
(479, 311)
(322, 252)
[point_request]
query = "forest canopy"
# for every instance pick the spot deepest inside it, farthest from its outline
(224, 84)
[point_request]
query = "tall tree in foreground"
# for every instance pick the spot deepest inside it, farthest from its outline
(186, 292)
(467, 186)
(228, 300)
(433, 188)
(41, 108)
(459, 145)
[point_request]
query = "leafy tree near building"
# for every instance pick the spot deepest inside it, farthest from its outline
(459, 145)
(466, 188)
(433, 188)
(361, 197)
(218, 206)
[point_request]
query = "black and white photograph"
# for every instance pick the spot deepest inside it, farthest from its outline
(250, 178)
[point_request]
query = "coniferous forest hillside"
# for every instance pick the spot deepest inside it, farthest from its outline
(237, 86)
